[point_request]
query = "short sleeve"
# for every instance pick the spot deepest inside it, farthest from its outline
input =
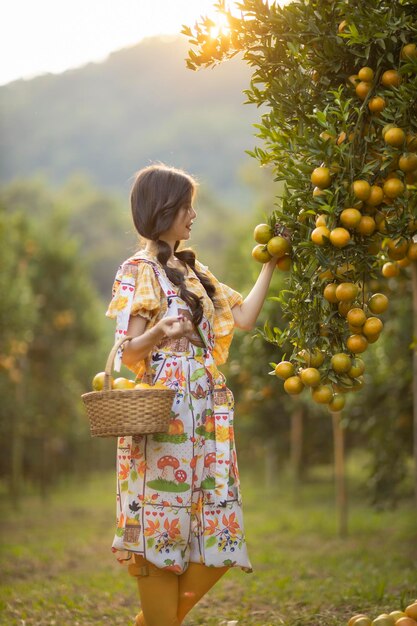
(223, 324)
(145, 287)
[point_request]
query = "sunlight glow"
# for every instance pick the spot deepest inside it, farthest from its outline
(221, 27)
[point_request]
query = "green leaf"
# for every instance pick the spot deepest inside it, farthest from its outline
(198, 374)
(211, 541)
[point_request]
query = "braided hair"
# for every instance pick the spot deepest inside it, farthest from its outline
(157, 194)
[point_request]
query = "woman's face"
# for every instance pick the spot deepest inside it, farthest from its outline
(181, 226)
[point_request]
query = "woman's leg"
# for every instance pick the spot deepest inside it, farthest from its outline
(194, 583)
(158, 591)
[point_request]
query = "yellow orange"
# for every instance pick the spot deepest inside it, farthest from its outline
(408, 162)
(284, 263)
(337, 403)
(350, 217)
(376, 196)
(397, 248)
(393, 187)
(293, 385)
(321, 220)
(323, 394)
(356, 316)
(357, 369)
(391, 78)
(377, 104)
(320, 235)
(378, 303)
(278, 246)
(366, 74)
(329, 293)
(347, 292)
(313, 358)
(390, 270)
(310, 376)
(339, 237)
(261, 254)
(362, 89)
(356, 343)
(320, 177)
(411, 610)
(409, 52)
(262, 233)
(366, 226)
(341, 362)
(372, 326)
(394, 137)
(412, 251)
(361, 189)
(344, 308)
(284, 370)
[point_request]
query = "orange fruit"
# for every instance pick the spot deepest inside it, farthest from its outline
(376, 196)
(391, 78)
(339, 237)
(347, 292)
(405, 621)
(321, 220)
(376, 104)
(261, 254)
(355, 617)
(397, 248)
(313, 358)
(262, 233)
(394, 137)
(361, 189)
(321, 178)
(411, 141)
(412, 251)
(372, 326)
(317, 192)
(408, 162)
(393, 187)
(344, 308)
(323, 394)
(356, 343)
(98, 381)
(356, 317)
(373, 338)
(352, 80)
(405, 262)
(293, 385)
(278, 246)
(355, 330)
(284, 370)
(411, 610)
(350, 217)
(357, 369)
(389, 270)
(341, 362)
(337, 403)
(142, 386)
(320, 235)
(362, 89)
(341, 138)
(386, 128)
(326, 136)
(310, 376)
(366, 226)
(408, 52)
(378, 303)
(366, 74)
(397, 614)
(326, 275)
(284, 263)
(342, 26)
(123, 383)
(329, 293)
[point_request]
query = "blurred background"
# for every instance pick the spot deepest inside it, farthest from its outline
(86, 100)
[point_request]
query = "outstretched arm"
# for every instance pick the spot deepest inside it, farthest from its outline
(246, 314)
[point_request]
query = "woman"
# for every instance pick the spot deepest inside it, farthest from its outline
(179, 513)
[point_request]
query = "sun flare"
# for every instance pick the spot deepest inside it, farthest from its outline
(221, 26)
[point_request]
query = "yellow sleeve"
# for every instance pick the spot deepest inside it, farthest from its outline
(147, 291)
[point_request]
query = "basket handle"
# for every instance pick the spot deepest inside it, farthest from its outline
(110, 361)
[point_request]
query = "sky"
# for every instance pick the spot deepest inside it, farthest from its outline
(39, 36)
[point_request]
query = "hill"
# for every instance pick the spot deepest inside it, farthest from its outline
(141, 104)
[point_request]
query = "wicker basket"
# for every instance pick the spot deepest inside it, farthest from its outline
(124, 412)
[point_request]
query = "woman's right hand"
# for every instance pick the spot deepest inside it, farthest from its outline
(175, 327)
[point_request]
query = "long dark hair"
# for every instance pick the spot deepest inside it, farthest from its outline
(157, 194)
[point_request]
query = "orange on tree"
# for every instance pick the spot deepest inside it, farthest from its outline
(356, 316)
(373, 338)
(361, 189)
(391, 78)
(326, 275)
(357, 369)
(366, 74)
(393, 187)
(412, 251)
(397, 247)
(341, 362)
(390, 269)
(339, 237)
(313, 358)
(321, 220)
(284, 263)
(405, 262)
(293, 385)
(262, 233)
(411, 141)
(329, 293)
(352, 80)
(366, 225)
(362, 89)
(317, 192)
(310, 376)
(323, 394)
(376, 196)
(320, 235)
(347, 292)
(377, 104)
(356, 343)
(378, 303)
(278, 246)
(284, 370)
(394, 137)
(350, 217)
(337, 403)
(261, 254)
(344, 307)
(320, 177)
(355, 330)
(372, 326)
(408, 162)
(409, 52)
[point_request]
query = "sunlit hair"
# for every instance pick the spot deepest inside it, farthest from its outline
(157, 194)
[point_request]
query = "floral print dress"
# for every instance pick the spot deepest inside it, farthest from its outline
(178, 493)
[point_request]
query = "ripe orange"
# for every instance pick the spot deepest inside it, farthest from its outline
(357, 369)
(321, 220)
(261, 254)
(262, 233)
(278, 246)
(362, 89)
(320, 235)
(412, 251)
(356, 343)
(284, 370)
(411, 610)
(284, 263)
(341, 362)
(372, 326)
(376, 104)
(393, 187)
(373, 338)
(366, 74)
(321, 178)
(357, 616)
(143, 386)
(355, 330)
(326, 275)
(378, 303)
(356, 317)
(405, 621)
(323, 394)
(361, 189)
(339, 237)
(310, 376)
(329, 293)
(337, 403)
(391, 78)
(313, 358)
(293, 385)
(394, 137)
(405, 262)
(350, 217)
(408, 162)
(352, 80)
(344, 308)
(409, 52)
(98, 381)
(376, 196)
(389, 270)
(397, 248)
(347, 292)
(366, 226)
(123, 383)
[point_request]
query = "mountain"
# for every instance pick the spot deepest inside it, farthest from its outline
(140, 105)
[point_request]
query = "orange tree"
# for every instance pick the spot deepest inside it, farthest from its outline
(339, 82)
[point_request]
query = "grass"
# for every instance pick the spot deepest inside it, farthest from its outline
(57, 568)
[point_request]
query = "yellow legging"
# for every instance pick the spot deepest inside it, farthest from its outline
(165, 597)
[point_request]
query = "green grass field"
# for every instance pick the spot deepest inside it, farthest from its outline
(57, 568)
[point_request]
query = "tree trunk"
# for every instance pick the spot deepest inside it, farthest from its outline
(340, 474)
(296, 438)
(414, 287)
